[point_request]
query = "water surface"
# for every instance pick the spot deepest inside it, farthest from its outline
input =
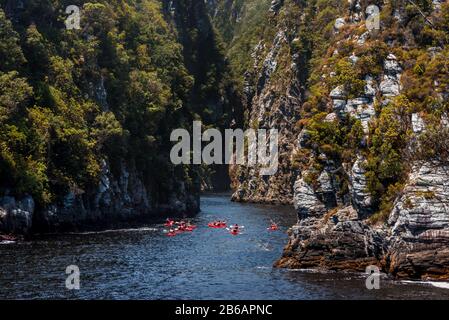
(144, 263)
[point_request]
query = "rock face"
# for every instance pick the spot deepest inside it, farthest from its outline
(414, 244)
(420, 226)
(361, 198)
(336, 241)
(306, 201)
(16, 216)
(336, 232)
(117, 200)
(276, 5)
(271, 107)
(390, 85)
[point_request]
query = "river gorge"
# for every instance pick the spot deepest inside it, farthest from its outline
(143, 263)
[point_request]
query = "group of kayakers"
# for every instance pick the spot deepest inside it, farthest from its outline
(273, 227)
(5, 238)
(176, 228)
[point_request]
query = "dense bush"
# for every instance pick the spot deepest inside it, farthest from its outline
(113, 90)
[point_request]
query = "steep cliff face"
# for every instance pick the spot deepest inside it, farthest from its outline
(117, 200)
(419, 222)
(272, 97)
(358, 106)
(86, 115)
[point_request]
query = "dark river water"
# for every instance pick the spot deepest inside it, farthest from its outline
(144, 263)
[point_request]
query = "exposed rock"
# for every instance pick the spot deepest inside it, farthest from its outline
(362, 109)
(360, 196)
(420, 226)
(16, 216)
(353, 59)
(99, 93)
(276, 5)
(338, 93)
(331, 117)
(339, 23)
(306, 202)
(339, 105)
(303, 139)
(327, 191)
(390, 86)
(362, 39)
(418, 125)
(437, 4)
(414, 245)
(271, 107)
(370, 90)
(391, 65)
(433, 51)
(337, 241)
(119, 200)
(270, 62)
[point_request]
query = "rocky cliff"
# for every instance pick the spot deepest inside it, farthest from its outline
(86, 114)
(358, 106)
(117, 200)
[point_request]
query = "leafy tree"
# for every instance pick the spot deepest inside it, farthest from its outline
(11, 55)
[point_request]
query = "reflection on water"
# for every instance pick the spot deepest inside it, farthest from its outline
(207, 264)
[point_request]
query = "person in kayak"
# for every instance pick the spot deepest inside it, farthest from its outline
(235, 229)
(273, 226)
(189, 225)
(171, 233)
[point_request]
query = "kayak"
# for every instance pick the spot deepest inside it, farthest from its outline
(7, 238)
(170, 223)
(272, 228)
(235, 232)
(217, 226)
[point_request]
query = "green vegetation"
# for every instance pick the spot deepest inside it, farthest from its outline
(419, 41)
(113, 91)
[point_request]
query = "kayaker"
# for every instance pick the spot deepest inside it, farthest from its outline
(274, 226)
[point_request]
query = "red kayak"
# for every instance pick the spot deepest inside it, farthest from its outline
(234, 232)
(273, 228)
(170, 223)
(217, 226)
